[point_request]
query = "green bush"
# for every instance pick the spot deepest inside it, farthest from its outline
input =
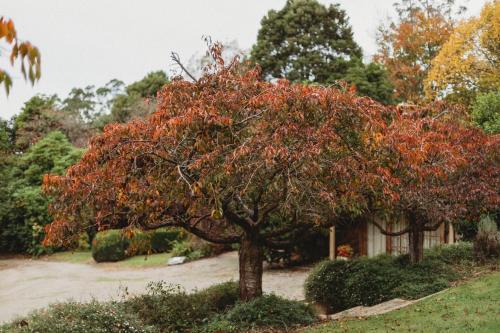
(139, 243)
(171, 309)
(339, 284)
(194, 248)
(76, 317)
(162, 239)
(487, 242)
(110, 245)
(269, 311)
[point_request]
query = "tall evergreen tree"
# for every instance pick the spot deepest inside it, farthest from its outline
(306, 41)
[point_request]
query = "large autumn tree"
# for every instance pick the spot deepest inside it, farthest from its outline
(438, 170)
(407, 45)
(229, 158)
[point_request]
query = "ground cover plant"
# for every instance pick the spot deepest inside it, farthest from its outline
(167, 308)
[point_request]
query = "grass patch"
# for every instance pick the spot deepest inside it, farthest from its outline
(85, 257)
(74, 257)
(471, 307)
(152, 260)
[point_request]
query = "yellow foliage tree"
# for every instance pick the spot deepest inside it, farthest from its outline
(16, 49)
(468, 62)
(407, 46)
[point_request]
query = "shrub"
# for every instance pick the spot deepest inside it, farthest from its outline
(162, 239)
(369, 281)
(269, 311)
(487, 242)
(139, 243)
(171, 309)
(220, 296)
(76, 317)
(340, 284)
(195, 248)
(109, 245)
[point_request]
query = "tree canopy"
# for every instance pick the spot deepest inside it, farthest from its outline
(468, 62)
(408, 44)
(306, 42)
(23, 208)
(220, 157)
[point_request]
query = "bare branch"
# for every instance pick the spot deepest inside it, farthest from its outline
(175, 57)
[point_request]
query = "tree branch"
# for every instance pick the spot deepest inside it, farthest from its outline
(389, 233)
(175, 57)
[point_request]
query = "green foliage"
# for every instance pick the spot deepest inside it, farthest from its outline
(486, 112)
(367, 281)
(170, 309)
(23, 213)
(194, 248)
(487, 242)
(110, 245)
(149, 85)
(133, 102)
(76, 317)
(371, 80)
(163, 239)
(35, 120)
(470, 307)
(306, 41)
(266, 312)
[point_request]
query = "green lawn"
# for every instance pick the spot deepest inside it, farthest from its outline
(471, 307)
(85, 257)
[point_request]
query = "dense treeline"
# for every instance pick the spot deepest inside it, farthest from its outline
(48, 136)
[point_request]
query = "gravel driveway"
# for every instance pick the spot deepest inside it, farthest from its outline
(30, 284)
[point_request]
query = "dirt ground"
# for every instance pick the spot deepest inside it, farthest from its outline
(27, 284)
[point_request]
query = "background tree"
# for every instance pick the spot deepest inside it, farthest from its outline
(138, 100)
(468, 62)
(438, 170)
(371, 80)
(307, 42)
(229, 158)
(27, 53)
(37, 118)
(25, 208)
(407, 45)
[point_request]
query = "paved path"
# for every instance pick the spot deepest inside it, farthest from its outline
(30, 284)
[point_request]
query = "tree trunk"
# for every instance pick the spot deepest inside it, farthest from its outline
(251, 259)
(416, 244)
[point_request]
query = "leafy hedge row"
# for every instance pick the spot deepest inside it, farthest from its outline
(340, 285)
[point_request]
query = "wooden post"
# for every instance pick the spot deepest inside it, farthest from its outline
(451, 234)
(332, 243)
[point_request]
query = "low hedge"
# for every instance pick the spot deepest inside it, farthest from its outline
(170, 309)
(77, 317)
(340, 285)
(265, 312)
(110, 245)
(113, 245)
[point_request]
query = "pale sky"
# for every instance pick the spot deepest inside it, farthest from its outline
(89, 42)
